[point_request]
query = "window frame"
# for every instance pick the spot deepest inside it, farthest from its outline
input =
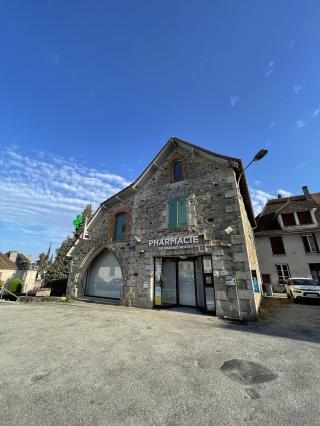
(306, 239)
(310, 215)
(272, 246)
(173, 177)
(123, 232)
(287, 215)
(176, 224)
(282, 271)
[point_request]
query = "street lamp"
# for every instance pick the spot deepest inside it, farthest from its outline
(259, 155)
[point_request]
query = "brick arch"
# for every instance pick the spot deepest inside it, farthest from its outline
(170, 168)
(81, 275)
(110, 234)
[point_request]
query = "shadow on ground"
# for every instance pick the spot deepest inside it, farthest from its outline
(281, 317)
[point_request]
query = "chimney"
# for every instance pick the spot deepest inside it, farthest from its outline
(12, 255)
(305, 190)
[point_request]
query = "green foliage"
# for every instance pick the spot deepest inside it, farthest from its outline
(15, 286)
(1, 283)
(59, 269)
(41, 263)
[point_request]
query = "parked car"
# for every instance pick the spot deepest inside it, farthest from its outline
(298, 288)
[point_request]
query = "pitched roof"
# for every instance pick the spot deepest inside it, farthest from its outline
(236, 163)
(6, 263)
(173, 142)
(267, 222)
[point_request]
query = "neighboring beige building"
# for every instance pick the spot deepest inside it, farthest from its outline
(15, 265)
(288, 238)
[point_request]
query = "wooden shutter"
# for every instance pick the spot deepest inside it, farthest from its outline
(173, 213)
(306, 243)
(288, 219)
(182, 212)
(277, 245)
(304, 218)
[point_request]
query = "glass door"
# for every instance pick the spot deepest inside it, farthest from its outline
(208, 284)
(169, 282)
(186, 283)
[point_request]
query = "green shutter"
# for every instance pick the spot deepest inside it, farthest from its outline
(173, 213)
(182, 212)
(177, 212)
(120, 227)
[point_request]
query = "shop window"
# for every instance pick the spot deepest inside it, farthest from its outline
(120, 227)
(305, 218)
(104, 277)
(177, 212)
(283, 272)
(277, 245)
(177, 171)
(288, 219)
(310, 243)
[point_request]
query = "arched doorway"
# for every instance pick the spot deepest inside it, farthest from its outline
(104, 277)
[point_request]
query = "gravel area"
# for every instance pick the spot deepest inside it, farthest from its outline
(88, 364)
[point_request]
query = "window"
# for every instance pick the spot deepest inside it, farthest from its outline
(120, 227)
(177, 171)
(277, 245)
(310, 243)
(288, 219)
(305, 218)
(177, 212)
(266, 278)
(283, 272)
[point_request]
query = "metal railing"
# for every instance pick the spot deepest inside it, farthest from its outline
(3, 289)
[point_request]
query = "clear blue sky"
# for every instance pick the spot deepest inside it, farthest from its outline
(91, 90)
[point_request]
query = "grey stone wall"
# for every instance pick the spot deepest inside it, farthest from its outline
(213, 205)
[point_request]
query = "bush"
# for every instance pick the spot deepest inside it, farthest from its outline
(1, 283)
(15, 286)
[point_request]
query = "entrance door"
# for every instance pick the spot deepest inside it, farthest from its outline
(104, 278)
(186, 283)
(315, 271)
(169, 280)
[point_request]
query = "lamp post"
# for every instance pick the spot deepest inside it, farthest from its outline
(259, 155)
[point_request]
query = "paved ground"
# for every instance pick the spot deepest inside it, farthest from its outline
(101, 365)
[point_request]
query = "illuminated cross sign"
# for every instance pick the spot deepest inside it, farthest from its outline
(79, 220)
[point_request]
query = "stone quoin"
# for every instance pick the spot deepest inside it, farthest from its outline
(181, 234)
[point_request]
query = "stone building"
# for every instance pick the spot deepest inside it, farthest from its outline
(181, 234)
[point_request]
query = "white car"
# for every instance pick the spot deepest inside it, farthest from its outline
(298, 288)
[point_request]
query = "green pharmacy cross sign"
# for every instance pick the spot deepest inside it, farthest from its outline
(79, 220)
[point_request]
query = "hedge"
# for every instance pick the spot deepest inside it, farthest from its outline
(15, 286)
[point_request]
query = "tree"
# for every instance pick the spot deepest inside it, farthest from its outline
(41, 263)
(59, 269)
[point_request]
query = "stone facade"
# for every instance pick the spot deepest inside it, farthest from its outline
(213, 204)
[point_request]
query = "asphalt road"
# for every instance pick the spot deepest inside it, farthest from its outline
(102, 365)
